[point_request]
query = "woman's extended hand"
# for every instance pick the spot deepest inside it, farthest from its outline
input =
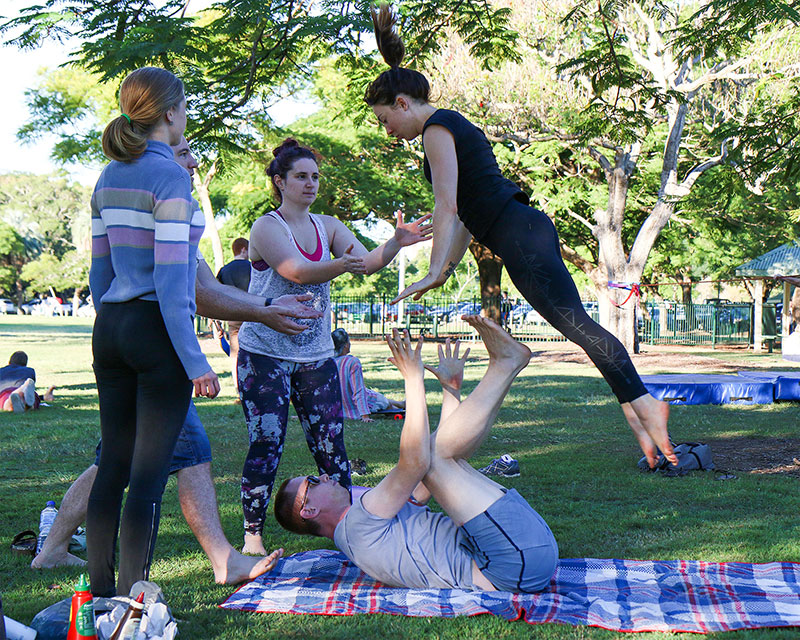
(410, 233)
(418, 288)
(351, 263)
(206, 385)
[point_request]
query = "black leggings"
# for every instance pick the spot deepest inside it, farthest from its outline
(144, 395)
(527, 242)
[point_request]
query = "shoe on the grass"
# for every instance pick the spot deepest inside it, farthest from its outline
(358, 467)
(17, 402)
(504, 466)
(28, 390)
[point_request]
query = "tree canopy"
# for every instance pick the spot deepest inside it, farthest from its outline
(628, 122)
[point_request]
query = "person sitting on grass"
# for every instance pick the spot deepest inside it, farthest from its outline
(357, 400)
(18, 385)
(488, 538)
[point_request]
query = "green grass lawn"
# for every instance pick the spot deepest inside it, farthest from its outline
(577, 458)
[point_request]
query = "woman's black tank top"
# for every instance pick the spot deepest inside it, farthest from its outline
(482, 190)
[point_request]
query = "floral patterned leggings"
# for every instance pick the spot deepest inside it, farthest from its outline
(265, 387)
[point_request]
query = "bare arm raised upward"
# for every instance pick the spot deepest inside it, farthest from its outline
(413, 462)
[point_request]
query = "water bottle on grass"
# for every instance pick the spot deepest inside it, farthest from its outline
(46, 519)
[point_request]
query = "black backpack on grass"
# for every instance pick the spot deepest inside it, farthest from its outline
(691, 456)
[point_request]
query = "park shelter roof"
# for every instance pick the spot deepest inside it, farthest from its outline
(783, 261)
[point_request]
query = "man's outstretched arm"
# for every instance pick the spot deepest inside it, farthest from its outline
(223, 302)
(413, 462)
(450, 374)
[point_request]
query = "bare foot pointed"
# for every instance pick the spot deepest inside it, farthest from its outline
(653, 416)
(645, 441)
(239, 568)
(502, 348)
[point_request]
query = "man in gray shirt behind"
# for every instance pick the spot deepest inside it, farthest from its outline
(488, 538)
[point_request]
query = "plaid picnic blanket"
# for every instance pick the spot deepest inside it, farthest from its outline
(621, 595)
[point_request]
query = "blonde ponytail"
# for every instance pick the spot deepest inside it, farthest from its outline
(145, 95)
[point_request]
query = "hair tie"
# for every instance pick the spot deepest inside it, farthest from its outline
(127, 117)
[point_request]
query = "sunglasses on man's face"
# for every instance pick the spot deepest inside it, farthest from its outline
(310, 481)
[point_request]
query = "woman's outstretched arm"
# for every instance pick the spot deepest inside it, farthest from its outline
(450, 237)
(405, 234)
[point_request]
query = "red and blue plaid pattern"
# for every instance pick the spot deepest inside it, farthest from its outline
(621, 595)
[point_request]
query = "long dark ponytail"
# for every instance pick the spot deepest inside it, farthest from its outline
(384, 89)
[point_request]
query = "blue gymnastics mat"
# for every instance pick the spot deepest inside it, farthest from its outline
(786, 384)
(691, 388)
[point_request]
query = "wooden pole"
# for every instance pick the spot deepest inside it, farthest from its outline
(758, 329)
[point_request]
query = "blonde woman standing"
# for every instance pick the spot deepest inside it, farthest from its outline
(146, 356)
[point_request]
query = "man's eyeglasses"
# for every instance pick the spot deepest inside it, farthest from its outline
(310, 481)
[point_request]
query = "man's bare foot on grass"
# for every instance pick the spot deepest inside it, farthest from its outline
(53, 560)
(240, 568)
(503, 349)
(253, 545)
(651, 416)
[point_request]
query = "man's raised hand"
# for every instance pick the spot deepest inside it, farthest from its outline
(408, 360)
(450, 371)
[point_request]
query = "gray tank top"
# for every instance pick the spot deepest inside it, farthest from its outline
(314, 343)
(417, 549)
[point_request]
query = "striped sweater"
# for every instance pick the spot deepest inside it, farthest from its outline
(145, 230)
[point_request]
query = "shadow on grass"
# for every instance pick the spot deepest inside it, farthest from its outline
(23, 326)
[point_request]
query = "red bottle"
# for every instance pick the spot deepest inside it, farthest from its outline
(81, 613)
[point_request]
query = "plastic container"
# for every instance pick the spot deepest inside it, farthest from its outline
(81, 613)
(18, 631)
(128, 626)
(46, 520)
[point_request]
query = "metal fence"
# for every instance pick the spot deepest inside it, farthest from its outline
(658, 323)
(703, 324)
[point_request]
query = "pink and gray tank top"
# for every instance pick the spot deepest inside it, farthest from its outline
(314, 343)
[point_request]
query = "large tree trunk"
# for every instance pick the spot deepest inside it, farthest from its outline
(490, 270)
(201, 187)
(617, 306)
(686, 292)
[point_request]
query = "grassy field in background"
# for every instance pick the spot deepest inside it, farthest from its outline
(578, 469)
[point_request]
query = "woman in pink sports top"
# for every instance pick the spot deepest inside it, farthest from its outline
(294, 250)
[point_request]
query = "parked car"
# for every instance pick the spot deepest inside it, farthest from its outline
(47, 307)
(28, 308)
(7, 306)
(518, 312)
(86, 310)
(443, 313)
(467, 309)
(415, 310)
